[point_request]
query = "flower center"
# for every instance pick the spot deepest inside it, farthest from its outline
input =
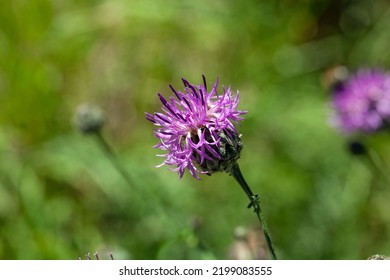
(221, 156)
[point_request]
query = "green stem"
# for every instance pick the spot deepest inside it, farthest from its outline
(377, 162)
(255, 203)
(140, 192)
(114, 160)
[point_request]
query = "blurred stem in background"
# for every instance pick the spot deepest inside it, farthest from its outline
(89, 120)
(370, 157)
(107, 149)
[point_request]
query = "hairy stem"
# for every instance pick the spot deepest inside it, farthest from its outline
(255, 203)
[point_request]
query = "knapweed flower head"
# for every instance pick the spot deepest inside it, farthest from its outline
(362, 102)
(196, 129)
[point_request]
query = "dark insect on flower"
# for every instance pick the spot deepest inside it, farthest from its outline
(197, 130)
(362, 102)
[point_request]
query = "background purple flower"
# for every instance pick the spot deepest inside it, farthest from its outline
(196, 128)
(362, 102)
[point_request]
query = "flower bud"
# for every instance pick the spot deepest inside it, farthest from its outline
(88, 119)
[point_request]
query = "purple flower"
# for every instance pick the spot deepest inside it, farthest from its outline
(362, 102)
(196, 129)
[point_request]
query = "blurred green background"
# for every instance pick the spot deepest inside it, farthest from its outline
(60, 195)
